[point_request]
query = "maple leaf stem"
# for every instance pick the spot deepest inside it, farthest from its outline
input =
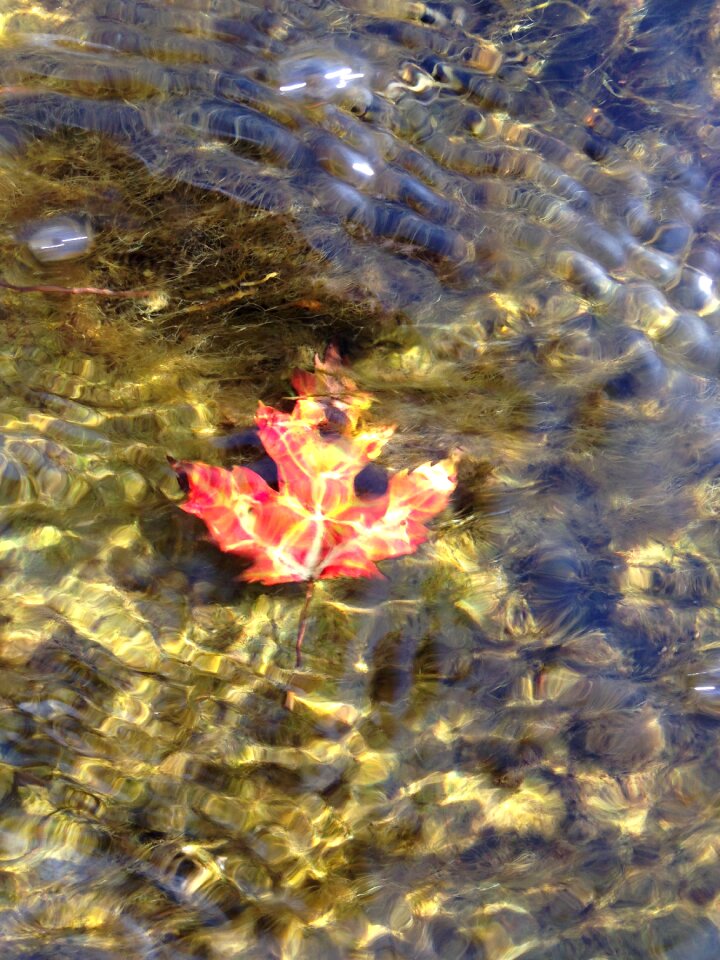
(302, 626)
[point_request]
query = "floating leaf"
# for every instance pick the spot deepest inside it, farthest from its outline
(315, 525)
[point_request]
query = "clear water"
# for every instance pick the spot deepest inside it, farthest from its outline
(506, 216)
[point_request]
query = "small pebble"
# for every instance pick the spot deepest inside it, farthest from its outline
(58, 239)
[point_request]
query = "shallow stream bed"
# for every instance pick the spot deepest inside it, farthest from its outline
(506, 217)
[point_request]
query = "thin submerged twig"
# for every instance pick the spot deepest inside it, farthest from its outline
(238, 294)
(79, 291)
(139, 294)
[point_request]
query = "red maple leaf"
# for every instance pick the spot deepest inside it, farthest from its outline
(315, 525)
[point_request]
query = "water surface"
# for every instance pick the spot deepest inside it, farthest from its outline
(506, 217)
